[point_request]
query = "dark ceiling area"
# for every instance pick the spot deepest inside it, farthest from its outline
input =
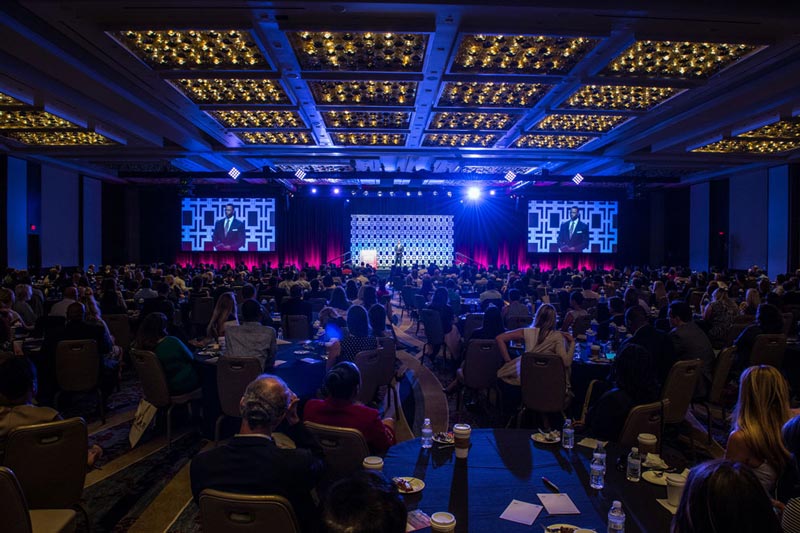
(509, 95)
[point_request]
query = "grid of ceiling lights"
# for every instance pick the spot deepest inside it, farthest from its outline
(775, 138)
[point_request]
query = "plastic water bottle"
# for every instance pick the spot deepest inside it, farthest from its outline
(600, 451)
(568, 435)
(280, 333)
(427, 434)
(602, 295)
(616, 518)
(634, 466)
(597, 472)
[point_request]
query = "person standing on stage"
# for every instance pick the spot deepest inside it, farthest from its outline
(398, 254)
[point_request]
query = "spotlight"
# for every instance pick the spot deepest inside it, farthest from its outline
(380, 193)
(491, 193)
(391, 193)
(300, 174)
(577, 179)
(510, 175)
(336, 190)
(353, 192)
(313, 190)
(473, 193)
(366, 193)
(408, 193)
(436, 193)
(419, 193)
(234, 173)
(449, 194)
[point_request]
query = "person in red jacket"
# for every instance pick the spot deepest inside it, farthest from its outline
(340, 409)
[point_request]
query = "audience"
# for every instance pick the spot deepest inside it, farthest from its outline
(691, 342)
(70, 297)
(251, 339)
(339, 408)
(719, 315)
(364, 503)
(769, 320)
(657, 344)
(358, 338)
(336, 310)
(377, 321)
(22, 306)
(224, 315)
(575, 312)
(295, 305)
(441, 304)
(176, 359)
(492, 325)
(751, 302)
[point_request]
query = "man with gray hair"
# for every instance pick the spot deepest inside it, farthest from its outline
(251, 463)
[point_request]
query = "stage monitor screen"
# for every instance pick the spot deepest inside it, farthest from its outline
(579, 227)
(228, 224)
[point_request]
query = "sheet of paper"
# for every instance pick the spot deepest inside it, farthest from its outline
(521, 512)
(417, 520)
(279, 362)
(591, 443)
(310, 361)
(559, 503)
(282, 342)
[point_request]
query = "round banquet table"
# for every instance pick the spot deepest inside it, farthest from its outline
(505, 464)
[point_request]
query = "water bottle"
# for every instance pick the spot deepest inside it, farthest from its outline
(600, 451)
(602, 295)
(634, 466)
(568, 435)
(280, 334)
(427, 434)
(616, 518)
(597, 472)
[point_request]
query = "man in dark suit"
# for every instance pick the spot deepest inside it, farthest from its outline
(398, 254)
(228, 232)
(573, 235)
(658, 344)
(251, 462)
(691, 342)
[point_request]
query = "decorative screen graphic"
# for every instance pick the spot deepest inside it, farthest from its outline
(425, 238)
(228, 224)
(551, 228)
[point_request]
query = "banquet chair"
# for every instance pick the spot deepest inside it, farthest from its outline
(581, 324)
(201, 312)
(408, 294)
(744, 319)
(543, 381)
(679, 389)
(517, 322)
(317, 304)
(734, 331)
(246, 513)
(768, 350)
(434, 335)
(344, 449)
(296, 327)
(419, 304)
(49, 461)
(788, 321)
(694, 300)
(17, 518)
(481, 362)
(120, 328)
(234, 374)
(722, 368)
(78, 371)
(155, 389)
(472, 322)
(377, 370)
(646, 418)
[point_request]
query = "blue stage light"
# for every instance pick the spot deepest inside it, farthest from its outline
(473, 193)
(336, 190)
(313, 190)
(408, 193)
(492, 193)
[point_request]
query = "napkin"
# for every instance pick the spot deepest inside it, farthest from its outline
(591, 443)
(281, 342)
(417, 520)
(279, 362)
(559, 503)
(654, 460)
(665, 504)
(310, 361)
(521, 512)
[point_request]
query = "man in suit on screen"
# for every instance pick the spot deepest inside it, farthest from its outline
(573, 235)
(228, 232)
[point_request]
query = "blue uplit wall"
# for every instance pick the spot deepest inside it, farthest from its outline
(699, 199)
(59, 217)
(17, 222)
(747, 223)
(426, 238)
(92, 222)
(779, 220)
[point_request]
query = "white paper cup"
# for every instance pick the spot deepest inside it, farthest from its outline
(675, 484)
(372, 462)
(648, 443)
(442, 522)
(461, 435)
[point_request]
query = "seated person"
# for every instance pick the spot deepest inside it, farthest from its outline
(515, 306)
(364, 503)
(636, 384)
(492, 324)
(724, 496)
(160, 304)
(176, 359)
(17, 390)
(295, 305)
(691, 342)
(656, 343)
(377, 321)
(251, 339)
(357, 340)
(336, 310)
(339, 408)
(575, 312)
(769, 320)
(251, 462)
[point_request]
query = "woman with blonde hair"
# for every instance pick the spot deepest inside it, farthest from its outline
(751, 302)
(224, 314)
(759, 416)
(720, 314)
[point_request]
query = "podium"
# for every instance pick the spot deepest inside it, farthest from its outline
(368, 257)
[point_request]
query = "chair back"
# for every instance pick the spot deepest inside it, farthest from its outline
(734, 331)
(344, 448)
(408, 293)
(471, 323)
(297, 327)
(49, 461)
(647, 418)
(245, 513)
(234, 374)
(768, 350)
(679, 389)
(154, 382)
(498, 303)
(15, 509)
(77, 365)
(788, 320)
(202, 311)
(744, 319)
(317, 304)
(544, 382)
(377, 369)
(120, 328)
(516, 322)
(419, 301)
(47, 323)
(581, 324)
(433, 326)
(722, 368)
(694, 299)
(481, 363)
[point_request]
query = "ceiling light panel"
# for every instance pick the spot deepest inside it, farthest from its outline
(28, 119)
(370, 139)
(491, 94)
(258, 119)
(519, 54)
(278, 137)
(460, 140)
(552, 142)
(495, 170)
(316, 167)
(784, 129)
(676, 59)
(749, 146)
(619, 97)
(232, 91)
(6, 100)
(580, 123)
(459, 120)
(382, 93)
(359, 51)
(195, 49)
(376, 120)
(61, 138)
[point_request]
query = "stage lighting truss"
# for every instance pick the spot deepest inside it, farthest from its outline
(300, 174)
(510, 176)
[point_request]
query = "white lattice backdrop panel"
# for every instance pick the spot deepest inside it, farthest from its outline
(426, 238)
(546, 216)
(198, 216)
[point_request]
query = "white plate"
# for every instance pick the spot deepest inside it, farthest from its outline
(416, 485)
(449, 440)
(651, 477)
(556, 528)
(541, 439)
